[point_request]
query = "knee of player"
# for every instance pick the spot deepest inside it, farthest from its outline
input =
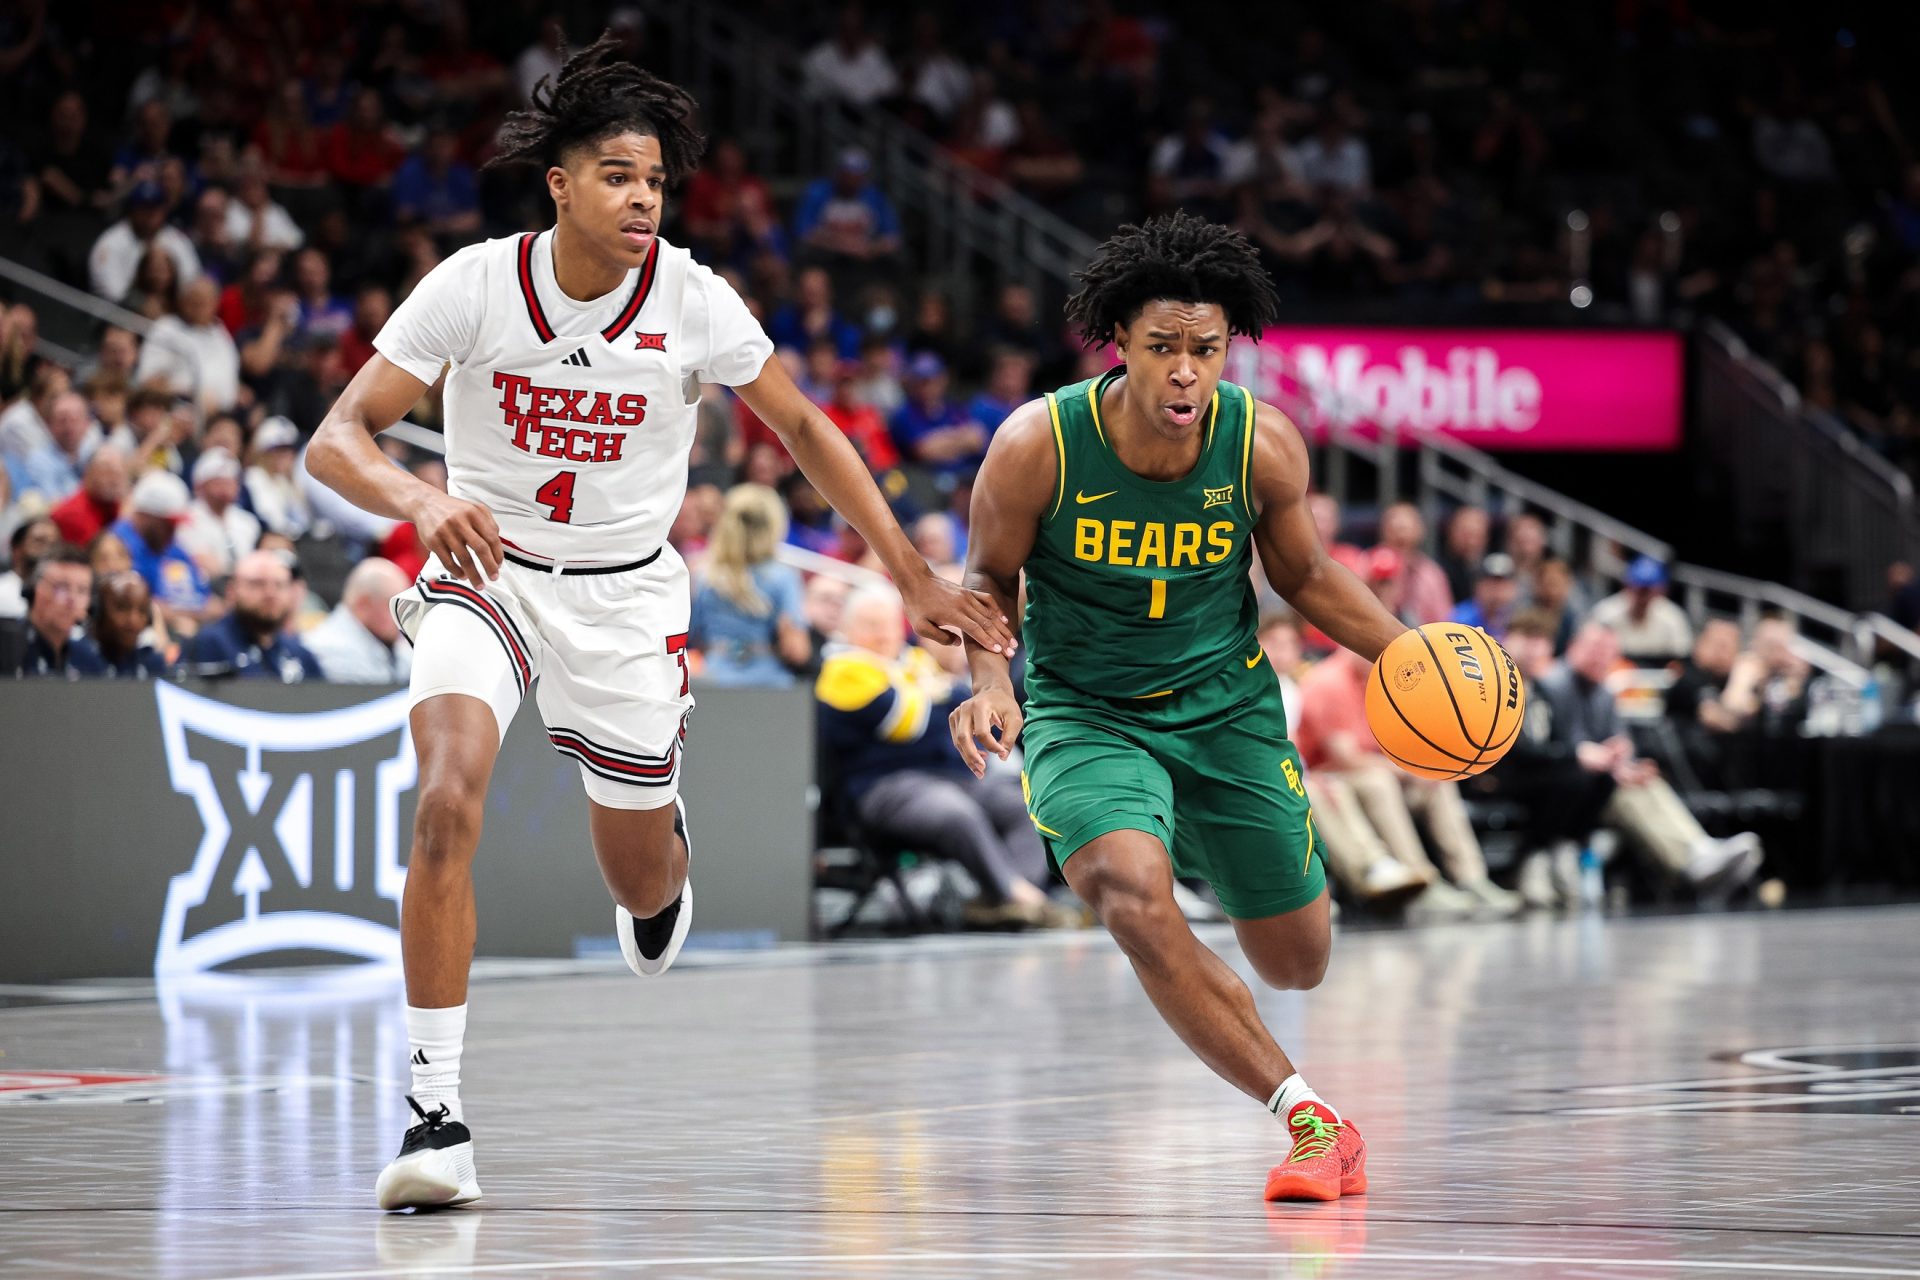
(1136, 909)
(446, 823)
(1295, 971)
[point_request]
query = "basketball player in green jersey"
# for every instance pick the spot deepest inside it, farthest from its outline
(1155, 739)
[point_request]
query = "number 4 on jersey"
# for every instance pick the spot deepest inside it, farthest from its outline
(557, 493)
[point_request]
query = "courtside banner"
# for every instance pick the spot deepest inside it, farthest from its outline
(1496, 389)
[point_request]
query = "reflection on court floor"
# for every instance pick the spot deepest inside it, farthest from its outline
(1715, 1094)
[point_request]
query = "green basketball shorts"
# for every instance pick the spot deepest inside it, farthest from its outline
(1206, 770)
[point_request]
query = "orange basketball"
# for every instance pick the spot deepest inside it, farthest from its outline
(1444, 701)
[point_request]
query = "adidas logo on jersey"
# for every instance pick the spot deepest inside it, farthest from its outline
(579, 359)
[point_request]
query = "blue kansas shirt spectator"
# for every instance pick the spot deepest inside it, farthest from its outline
(934, 431)
(157, 505)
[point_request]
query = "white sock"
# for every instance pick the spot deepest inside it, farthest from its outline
(1292, 1092)
(434, 1037)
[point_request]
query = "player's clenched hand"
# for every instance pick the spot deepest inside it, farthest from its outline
(939, 609)
(973, 722)
(463, 534)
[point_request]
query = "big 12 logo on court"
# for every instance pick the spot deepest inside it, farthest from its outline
(300, 849)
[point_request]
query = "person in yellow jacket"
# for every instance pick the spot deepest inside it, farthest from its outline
(883, 711)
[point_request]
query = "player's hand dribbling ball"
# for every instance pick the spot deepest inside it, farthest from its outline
(1444, 701)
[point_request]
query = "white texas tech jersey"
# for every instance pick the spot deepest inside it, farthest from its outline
(572, 421)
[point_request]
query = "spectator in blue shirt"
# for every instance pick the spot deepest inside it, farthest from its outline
(845, 220)
(934, 431)
(321, 310)
(157, 505)
(1009, 385)
(434, 188)
(250, 641)
(1496, 593)
(811, 317)
(747, 615)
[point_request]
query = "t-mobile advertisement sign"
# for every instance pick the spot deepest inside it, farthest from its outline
(1495, 389)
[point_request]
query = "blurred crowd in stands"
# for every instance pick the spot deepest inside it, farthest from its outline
(1436, 160)
(252, 187)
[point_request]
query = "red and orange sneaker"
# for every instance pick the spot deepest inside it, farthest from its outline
(1329, 1158)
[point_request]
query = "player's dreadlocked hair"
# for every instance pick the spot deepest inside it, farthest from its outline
(1178, 257)
(594, 96)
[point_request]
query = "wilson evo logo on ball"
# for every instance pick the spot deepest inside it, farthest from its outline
(1469, 664)
(1452, 727)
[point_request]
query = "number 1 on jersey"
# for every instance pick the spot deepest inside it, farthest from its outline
(557, 493)
(1157, 602)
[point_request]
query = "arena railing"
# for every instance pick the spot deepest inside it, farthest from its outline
(73, 314)
(1448, 472)
(1803, 490)
(959, 219)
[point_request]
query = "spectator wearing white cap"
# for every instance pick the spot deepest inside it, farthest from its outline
(359, 643)
(1649, 625)
(217, 530)
(273, 490)
(158, 503)
(192, 354)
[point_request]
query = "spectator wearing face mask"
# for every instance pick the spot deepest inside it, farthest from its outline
(250, 641)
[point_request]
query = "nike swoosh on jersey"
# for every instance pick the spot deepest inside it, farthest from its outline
(1082, 498)
(1254, 661)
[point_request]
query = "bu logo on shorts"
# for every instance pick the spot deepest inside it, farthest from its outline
(302, 830)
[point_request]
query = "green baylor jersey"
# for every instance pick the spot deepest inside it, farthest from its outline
(1139, 587)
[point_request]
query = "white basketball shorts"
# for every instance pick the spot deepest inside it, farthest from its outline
(608, 651)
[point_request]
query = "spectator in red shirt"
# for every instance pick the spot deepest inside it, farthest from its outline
(96, 503)
(371, 308)
(460, 73)
(361, 149)
(860, 421)
(723, 201)
(294, 150)
(245, 303)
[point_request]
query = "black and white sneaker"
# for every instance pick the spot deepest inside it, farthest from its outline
(434, 1168)
(651, 945)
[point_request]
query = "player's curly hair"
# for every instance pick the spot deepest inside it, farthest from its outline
(1179, 257)
(593, 96)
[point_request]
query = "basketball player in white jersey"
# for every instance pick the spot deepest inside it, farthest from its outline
(573, 362)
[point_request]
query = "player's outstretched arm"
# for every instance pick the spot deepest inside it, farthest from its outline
(345, 458)
(1325, 592)
(941, 611)
(1014, 489)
